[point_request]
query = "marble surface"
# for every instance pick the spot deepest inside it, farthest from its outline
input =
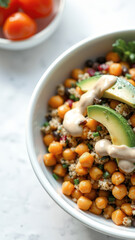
(26, 211)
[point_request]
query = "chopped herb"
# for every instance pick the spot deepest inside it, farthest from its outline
(55, 176)
(100, 166)
(76, 181)
(128, 76)
(90, 146)
(111, 198)
(126, 51)
(103, 158)
(97, 73)
(64, 165)
(4, 3)
(120, 87)
(99, 128)
(67, 141)
(134, 163)
(106, 174)
(113, 88)
(46, 124)
(96, 134)
(72, 97)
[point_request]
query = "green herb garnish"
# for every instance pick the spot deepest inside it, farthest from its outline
(97, 73)
(4, 3)
(76, 181)
(64, 165)
(55, 176)
(100, 166)
(126, 51)
(46, 124)
(72, 97)
(90, 146)
(128, 76)
(111, 198)
(103, 158)
(99, 128)
(106, 174)
(95, 134)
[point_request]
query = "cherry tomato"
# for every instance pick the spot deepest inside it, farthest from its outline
(19, 26)
(37, 8)
(5, 12)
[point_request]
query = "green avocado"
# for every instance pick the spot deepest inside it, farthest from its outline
(122, 90)
(118, 127)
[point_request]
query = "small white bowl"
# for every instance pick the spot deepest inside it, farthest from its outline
(57, 73)
(46, 26)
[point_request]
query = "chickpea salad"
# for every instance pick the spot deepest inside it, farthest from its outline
(96, 159)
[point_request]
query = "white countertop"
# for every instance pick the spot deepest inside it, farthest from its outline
(26, 210)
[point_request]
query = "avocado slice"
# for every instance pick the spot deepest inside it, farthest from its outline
(122, 90)
(118, 127)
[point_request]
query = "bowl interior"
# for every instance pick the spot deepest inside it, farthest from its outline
(56, 74)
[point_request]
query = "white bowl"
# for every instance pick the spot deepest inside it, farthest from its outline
(57, 73)
(46, 26)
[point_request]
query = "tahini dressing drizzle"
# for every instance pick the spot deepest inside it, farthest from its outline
(74, 117)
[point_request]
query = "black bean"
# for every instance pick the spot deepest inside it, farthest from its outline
(48, 118)
(95, 66)
(67, 92)
(89, 63)
(56, 135)
(101, 59)
(124, 70)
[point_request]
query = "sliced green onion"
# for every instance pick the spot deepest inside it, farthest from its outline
(128, 76)
(100, 166)
(72, 96)
(55, 176)
(46, 124)
(64, 165)
(95, 134)
(106, 174)
(76, 181)
(99, 128)
(90, 146)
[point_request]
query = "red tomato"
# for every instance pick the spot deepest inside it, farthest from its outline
(5, 12)
(37, 8)
(19, 26)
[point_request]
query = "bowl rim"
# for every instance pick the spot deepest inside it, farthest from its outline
(108, 230)
(38, 37)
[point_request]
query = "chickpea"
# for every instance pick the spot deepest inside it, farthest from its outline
(101, 202)
(76, 194)
(95, 173)
(84, 203)
(86, 160)
(81, 148)
(113, 104)
(119, 192)
(117, 178)
(62, 110)
(48, 139)
(132, 120)
(132, 82)
(103, 193)
(68, 178)
(59, 170)
(81, 170)
(49, 159)
(92, 195)
(126, 208)
(132, 72)
(79, 91)
(112, 56)
(108, 211)
(110, 166)
(70, 82)
(115, 69)
(117, 217)
(68, 154)
(55, 148)
(131, 193)
(67, 188)
(85, 133)
(92, 124)
(56, 101)
(85, 186)
(94, 209)
(76, 72)
(133, 179)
